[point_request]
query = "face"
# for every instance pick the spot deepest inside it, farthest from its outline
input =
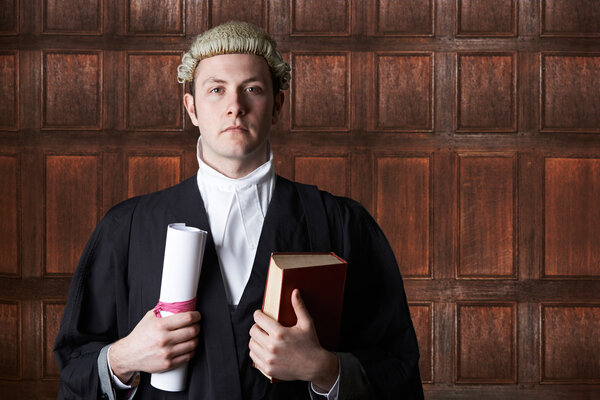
(234, 108)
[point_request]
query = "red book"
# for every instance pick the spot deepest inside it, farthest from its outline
(320, 277)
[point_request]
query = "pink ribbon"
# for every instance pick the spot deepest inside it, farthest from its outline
(176, 307)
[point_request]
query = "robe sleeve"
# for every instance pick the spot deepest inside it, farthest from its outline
(96, 310)
(376, 325)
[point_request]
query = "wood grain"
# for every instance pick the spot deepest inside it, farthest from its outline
(9, 215)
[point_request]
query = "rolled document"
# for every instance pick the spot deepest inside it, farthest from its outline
(184, 250)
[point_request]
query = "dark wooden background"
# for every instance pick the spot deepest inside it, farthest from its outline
(469, 128)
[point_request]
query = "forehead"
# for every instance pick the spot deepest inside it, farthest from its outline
(233, 67)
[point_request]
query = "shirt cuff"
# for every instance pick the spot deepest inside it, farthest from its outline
(333, 392)
(116, 381)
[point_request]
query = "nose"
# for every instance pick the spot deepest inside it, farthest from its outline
(236, 105)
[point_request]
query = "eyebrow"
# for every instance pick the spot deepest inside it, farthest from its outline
(212, 79)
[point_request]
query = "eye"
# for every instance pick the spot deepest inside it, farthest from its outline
(216, 90)
(254, 89)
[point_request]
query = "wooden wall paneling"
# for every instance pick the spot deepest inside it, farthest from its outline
(149, 173)
(477, 18)
(10, 340)
(486, 87)
(113, 180)
(570, 105)
(226, 10)
(422, 317)
(573, 357)
(329, 173)
(153, 96)
(9, 86)
(411, 18)
(148, 17)
(572, 217)
(403, 209)
(404, 91)
(486, 331)
(487, 216)
(10, 215)
(32, 236)
(72, 89)
(9, 17)
(72, 205)
(334, 18)
(310, 108)
(73, 17)
(528, 343)
(445, 216)
(578, 18)
(52, 312)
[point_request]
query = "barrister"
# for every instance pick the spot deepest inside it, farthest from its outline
(110, 340)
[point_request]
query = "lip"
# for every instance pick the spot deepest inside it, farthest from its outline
(235, 128)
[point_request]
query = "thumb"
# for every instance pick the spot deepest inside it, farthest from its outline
(304, 318)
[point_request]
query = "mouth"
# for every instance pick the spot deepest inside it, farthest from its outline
(235, 129)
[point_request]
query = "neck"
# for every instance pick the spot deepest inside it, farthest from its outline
(236, 168)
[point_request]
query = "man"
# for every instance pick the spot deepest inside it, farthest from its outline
(110, 340)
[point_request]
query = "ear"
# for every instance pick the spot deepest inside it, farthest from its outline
(188, 102)
(279, 98)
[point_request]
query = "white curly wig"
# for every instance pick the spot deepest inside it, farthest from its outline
(235, 37)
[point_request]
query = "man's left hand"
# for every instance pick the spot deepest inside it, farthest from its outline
(292, 353)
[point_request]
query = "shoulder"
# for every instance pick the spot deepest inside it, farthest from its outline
(123, 212)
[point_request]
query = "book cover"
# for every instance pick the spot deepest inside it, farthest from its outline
(321, 278)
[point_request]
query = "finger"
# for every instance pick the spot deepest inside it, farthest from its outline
(300, 310)
(266, 323)
(258, 335)
(183, 334)
(184, 348)
(177, 321)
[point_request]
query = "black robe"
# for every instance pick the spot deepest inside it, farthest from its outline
(118, 281)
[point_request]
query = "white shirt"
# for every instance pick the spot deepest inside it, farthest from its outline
(236, 210)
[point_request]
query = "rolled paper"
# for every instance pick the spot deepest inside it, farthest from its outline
(184, 250)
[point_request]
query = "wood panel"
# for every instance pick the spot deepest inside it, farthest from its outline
(572, 218)
(404, 82)
(570, 18)
(572, 357)
(9, 17)
(310, 109)
(72, 16)
(227, 10)
(72, 205)
(10, 340)
(147, 17)
(72, 90)
(403, 18)
(334, 18)
(487, 216)
(52, 313)
(9, 85)
(477, 18)
(486, 332)
(570, 105)
(151, 173)
(486, 92)
(422, 317)
(402, 206)
(328, 173)
(9, 215)
(152, 93)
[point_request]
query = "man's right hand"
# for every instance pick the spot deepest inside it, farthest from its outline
(156, 344)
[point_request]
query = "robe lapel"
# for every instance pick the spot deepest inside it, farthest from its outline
(284, 229)
(216, 329)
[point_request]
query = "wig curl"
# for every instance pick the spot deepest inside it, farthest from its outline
(235, 37)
